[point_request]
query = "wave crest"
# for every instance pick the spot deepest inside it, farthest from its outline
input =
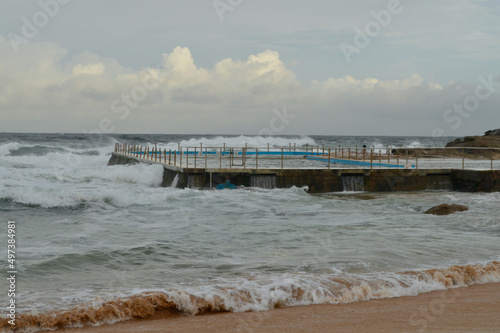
(334, 289)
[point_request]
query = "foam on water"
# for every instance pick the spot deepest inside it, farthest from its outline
(249, 249)
(260, 294)
(240, 141)
(5, 149)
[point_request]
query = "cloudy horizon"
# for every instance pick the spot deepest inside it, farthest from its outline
(232, 66)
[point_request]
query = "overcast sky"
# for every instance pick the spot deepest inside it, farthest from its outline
(343, 67)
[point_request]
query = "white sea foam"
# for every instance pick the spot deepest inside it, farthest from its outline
(71, 187)
(6, 148)
(241, 141)
(260, 293)
(244, 249)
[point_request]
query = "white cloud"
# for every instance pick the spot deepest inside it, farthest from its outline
(89, 69)
(235, 96)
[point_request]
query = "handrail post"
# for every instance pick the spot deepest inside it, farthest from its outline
(244, 157)
(187, 157)
(206, 157)
(175, 157)
(281, 158)
(180, 157)
(491, 159)
(256, 158)
(463, 159)
(220, 158)
(195, 157)
(371, 158)
(169, 155)
(329, 151)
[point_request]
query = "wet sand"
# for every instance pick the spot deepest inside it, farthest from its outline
(471, 309)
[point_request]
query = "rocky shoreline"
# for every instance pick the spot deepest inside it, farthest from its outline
(490, 139)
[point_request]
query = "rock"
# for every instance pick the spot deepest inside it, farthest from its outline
(491, 139)
(446, 209)
(493, 132)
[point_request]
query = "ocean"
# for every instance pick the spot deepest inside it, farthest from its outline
(101, 244)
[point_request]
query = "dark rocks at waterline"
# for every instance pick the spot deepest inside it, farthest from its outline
(446, 209)
(492, 132)
(490, 139)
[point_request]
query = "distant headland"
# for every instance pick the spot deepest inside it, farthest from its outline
(490, 139)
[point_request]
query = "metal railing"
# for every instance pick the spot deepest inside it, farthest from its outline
(306, 157)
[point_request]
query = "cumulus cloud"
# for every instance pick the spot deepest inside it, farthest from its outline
(90, 69)
(235, 96)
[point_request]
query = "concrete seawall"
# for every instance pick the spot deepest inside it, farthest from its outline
(329, 180)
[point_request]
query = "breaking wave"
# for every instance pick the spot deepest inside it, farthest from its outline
(241, 141)
(251, 295)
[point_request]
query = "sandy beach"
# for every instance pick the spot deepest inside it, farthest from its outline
(470, 309)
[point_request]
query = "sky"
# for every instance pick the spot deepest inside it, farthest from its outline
(274, 67)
